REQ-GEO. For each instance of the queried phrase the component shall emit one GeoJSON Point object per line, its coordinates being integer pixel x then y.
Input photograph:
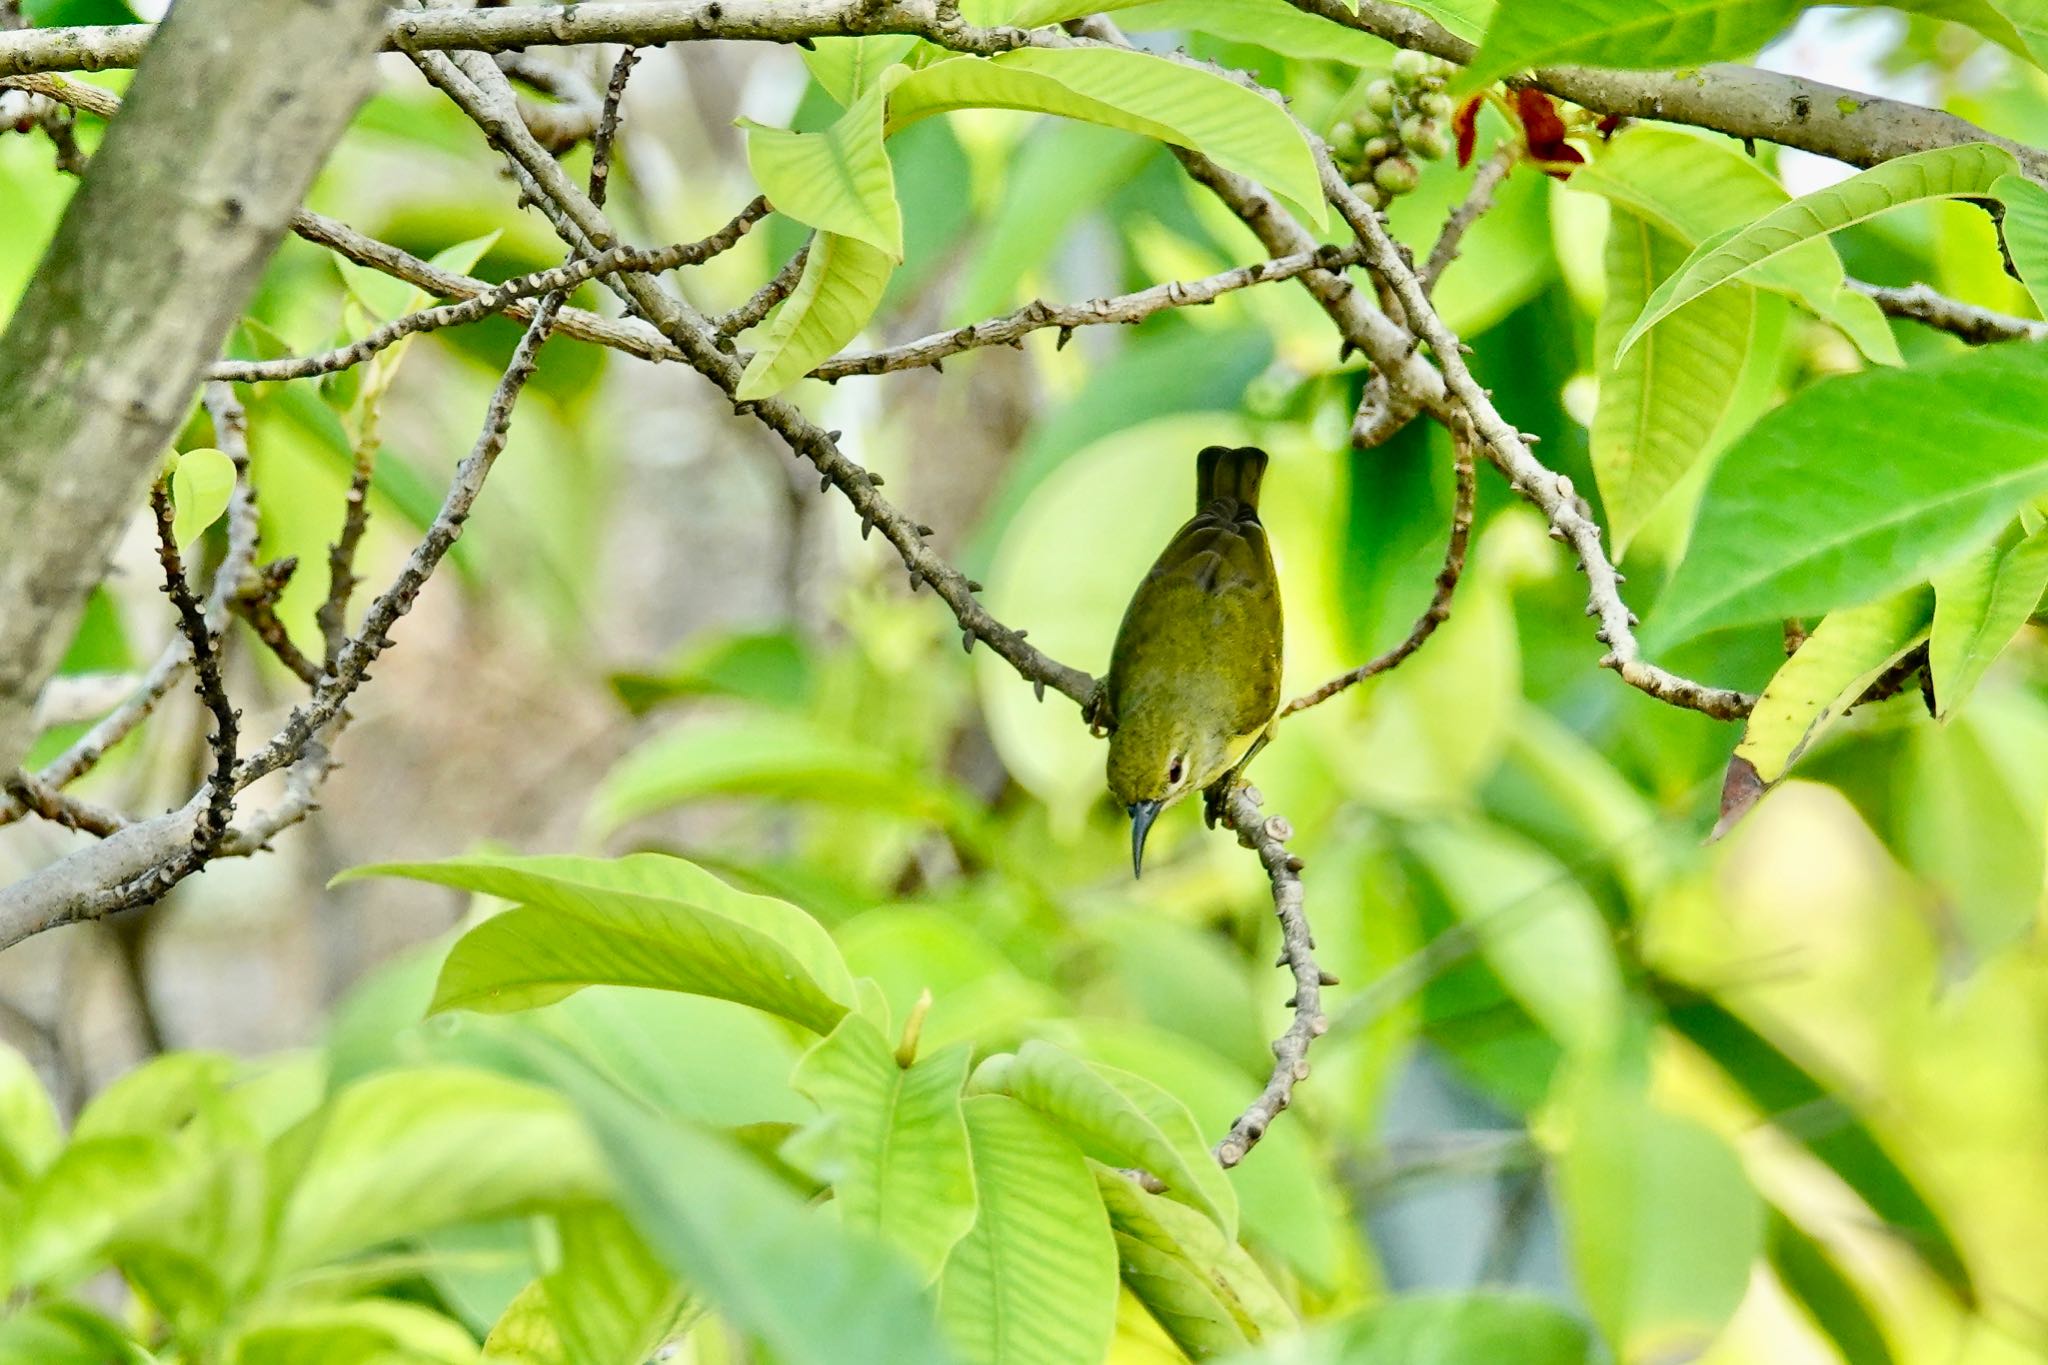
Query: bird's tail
{"type": "Point", "coordinates": [1232, 474]}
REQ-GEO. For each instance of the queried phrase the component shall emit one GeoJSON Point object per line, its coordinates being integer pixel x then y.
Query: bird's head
{"type": "Point", "coordinates": [1154, 760]}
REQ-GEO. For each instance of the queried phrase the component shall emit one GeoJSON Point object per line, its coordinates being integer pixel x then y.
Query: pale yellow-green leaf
{"type": "Point", "coordinates": [1828, 671]}
{"type": "Point", "coordinates": [1863, 322]}
{"type": "Point", "coordinates": [839, 180]}
{"type": "Point", "coordinates": [890, 1140]}
{"type": "Point", "coordinates": [1136, 91]}
{"type": "Point", "coordinates": [1034, 1282]}
{"type": "Point", "coordinates": [357, 1332]}
{"type": "Point", "coordinates": [2025, 229]}
{"type": "Point", "coordinates": [849, 67]}
{"type": "Point", "coordinates": [1153, 1133]}
{"type": "Point", "coordinates": [1202, 1287]}
{"type": "Point", "coordinates": [842, 285]}
{"type": "Point", "coordinates": [29, 1133]}
{"type": "Point", "coordinates": [1979, 606]}
{"type": "Point", "coordinates": [642, 920]}
{"type": "Point", "coordinates": [1660, 404]}
{"type": "Point", "coordinates": [202, 481]}
{"type": "Point", "coordinates": [1942, 173]}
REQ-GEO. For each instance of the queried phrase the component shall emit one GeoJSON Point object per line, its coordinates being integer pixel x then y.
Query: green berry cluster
{"type": "Point", "coordinates": [1405, 116]}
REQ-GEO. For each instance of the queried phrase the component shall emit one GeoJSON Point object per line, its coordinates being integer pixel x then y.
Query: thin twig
{"type": "Point", "coordinates": [212, 823]}
{"type": "Point", "coordinates": [765, 298]}
{"type": "Point", "coordinates": [1439, 609]}
{"type": "Point", "coordinates": [1125, 309]}
{"type": "Point", "coordinates": [606, 136]}
{"type": "Point", "coordinates": [1978, 326]}
{"type": "Point", "coordinates": [1478, 199]}
{"type": "Point", "coordinates": [499, 298]}
{"type": "Point", "coordinates": [256, 604]}
{"type": "Point", "coordinates": [1268, 836]}
{"type": "Point", "coordinates": [39, 798]}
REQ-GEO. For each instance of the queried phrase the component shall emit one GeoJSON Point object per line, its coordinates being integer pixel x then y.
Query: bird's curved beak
{"type": "Point", "coordinates": [1143, 813]}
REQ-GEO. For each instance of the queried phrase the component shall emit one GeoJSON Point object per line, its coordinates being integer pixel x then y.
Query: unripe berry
{"type": "Point", "coordinates": [1379, 97]}
{"type": "Point", "coordinates": [1345, 141]}
{"type": "Point", "coordinates": [1410, 67]}
{"type": "Point", "coordinates": [1396, 175]}
{"type": "Point", "coordinates": [1370, 193]}
{"type": "Point", "coordinates": [1436, 104]}
{"type": "Point", "coordinates": [1426, 139]}
{"type": "Point", "coordinates": [1379, 148]}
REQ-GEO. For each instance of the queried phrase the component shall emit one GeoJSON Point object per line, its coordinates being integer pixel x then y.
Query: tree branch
{"type": "Point", "coordinates": [175, 219]}
{"type": "Point", "coordinates": [1978, 326]}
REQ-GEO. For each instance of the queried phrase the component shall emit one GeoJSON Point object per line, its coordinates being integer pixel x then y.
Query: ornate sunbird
{"type": "Point", "coordinates": [1194, 677]}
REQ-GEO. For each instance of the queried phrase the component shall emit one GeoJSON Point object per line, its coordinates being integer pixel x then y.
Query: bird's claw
{"type": "Point", "coordinates": [1215, 802]}
{"type": "Point", "coordinates": [1096, 711]}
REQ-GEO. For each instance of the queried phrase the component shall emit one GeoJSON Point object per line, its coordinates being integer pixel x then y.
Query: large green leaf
{"type": "Point", "coordinates": [1980, 604]}
{"type": "Point", "coordinates": [1274, 25]}
{"type": "Point", "coordinates": [2025, 230]}
{"type": "Point", "coordinates": [812, 1290]}
{"type": "Point", "coordinates": [29, 1133]}
{"type": "Point", "coordinates": [1448, 1329]}
{"type": "Point", "coordinates": [643, 920]}
{"type": "Point", "coordinates": [891, 1141]}
{"type": "Point", "coordinates": [1792, 1097]}
{"type": "Point", "coordinates": [1203, 1288]}
{"type": "Point", "coordinates": [1660, 404]}
{"type": "Point", "coordinates": [1941, 173]}
{"type": "Point", "coordinates": [850, 67]}
{"type": "Point", "coordinates": [96, 1188]}
{"type": "Point", "coordinates": [778, 757]}
{"type": "Point", "coordinates": [610, 1301]}
{"type": "Point", "coordinates": [839, 180]}
{"type": "Point", "coordinates": [1625, 33]}
{"type": "Point", "coordinates": [1664, 1224]}
{"type": "Point", "coordinates": [64, 1333]}
{"type": "Point", "coordinates": [1137, 91]}
{"type": "Point", "coordinates": [1034, 1282]}
{"type": "Point", "coordinates": [1819, 1286]}
{"type": "Point", "coordinates": [1826, 674]}
{"type": "Point", "coordinates": [1124, 1120]}
{"type": "Point", "coordinates": [1537, 928]}
{"type": "Point", "coordinates": [1850, 491]}
{"type": "Point", "coordinates": [382, 1331]}
{"type": "Point", "coordinates": [416, 1148]}
{"type": "Point", "coordinates": [842, 285]}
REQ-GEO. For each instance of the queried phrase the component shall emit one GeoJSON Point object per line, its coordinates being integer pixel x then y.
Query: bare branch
{"type": "Point", "coordinates": [1268, 836]}
{"type": "Point", "coordinates": [1478, 199]}
{"type": "Point", "coordinates": [1439, 609]}
{"type": "Point", "coordinates": [211, 823]}
{"type": "Point", "coordinates": [765, 298]}
{"type": "Point", "coordinates": [39, 798]}
{"type": "Point", "coordinates": [1125, 309]}
{"type": "Point", "coordinates": [1978, 326]}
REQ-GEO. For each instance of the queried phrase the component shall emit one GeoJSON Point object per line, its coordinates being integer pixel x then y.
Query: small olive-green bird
{"type": "Point", "coordinates": [1194, 678]}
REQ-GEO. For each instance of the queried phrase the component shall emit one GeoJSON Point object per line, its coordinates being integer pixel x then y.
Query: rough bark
{"type": "Point", "coordinates": [222, 131]}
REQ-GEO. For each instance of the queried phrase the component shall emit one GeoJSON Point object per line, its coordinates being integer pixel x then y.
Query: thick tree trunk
{"type": "Point", "coordinates": [234, 107]}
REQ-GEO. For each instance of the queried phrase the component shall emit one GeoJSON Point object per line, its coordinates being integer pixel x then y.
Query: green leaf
{"type": "Point", "coordinates": [416, 1148]}
{"type": "Point", "coordinates": [839, 180]}
{"type": "Point", "coordinates": [814, 1291]}
{"type": "Point", "coordinates": [74, 13]}
{"type": "Point", "coordinates": [609, 1302]}
{"type": "Point", "coordinates": [1034, 1281]}
{"type": "Point", "coordinates": [93, 1190]}
{"type": "Point", "coordinates": [1849, 491]}
{"type": "Point", "coordinates": [1124, 1120]}
{"type": "Point", "coordinates": [842, 285]}
{"type": "Point", "coordinates": [1664, 1223]}
{"type": "Point", "coordinates": [1274, 25]}
{"type": "Point", "coordinates": [2025, 230]}
{"type": "Point", "coordinates": [2018, 26]}
{"type": "Point", "coordinates": [779, 757]}
{"type": "Point", "coordinates": [1466, 19]}
{"type": "Point", "coordinates": [29, 1132]}
{"type": "Point", "coordinates": [1640, 34]}
{"type": "Point", "coordinates": [770, 667]}
{"type": "Point", "coordinates": [1463, 1329]}
{"type": "Point", "coordinates": [1787, 1092]}
{"type": "Point", "coordinates": [1537, 928]}
{"type": "Point", "coordinates": [1141, 93]}
{"type": "Point", "coordinates": [1980, 604]}
{"type": "Point", "coordinates": [891, 1141]}
{"type": "Point", "coordinates": [643, 920]}
{"type": "Point", "coordinates": [1693, 187]}
{"type": "Point", "coordinates": [1817, 1284]}
{"type": "Point", "coordinates": [61, 1333]}
{"type": "Point", "coordinates": [850, 67]}
{"type": "Point", "coordinates": [1941, 173]}
{"type": "Point", "coordinates": [382, 1331]}
{"type": "Point", "coordinates": [1868, 330]}
{"type": "Point", "coordinates": [1661, 404]}
{"type": "Point", "coordinates": [201, 482]}
{"type": "Point", "coordinates": [1202, 1287]}
{"type": "Point", "coordinates": [1828, 672]}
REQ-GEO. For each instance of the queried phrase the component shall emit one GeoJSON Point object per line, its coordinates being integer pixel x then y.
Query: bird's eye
{"type": "Point", "coordinates": [1173, 771]}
